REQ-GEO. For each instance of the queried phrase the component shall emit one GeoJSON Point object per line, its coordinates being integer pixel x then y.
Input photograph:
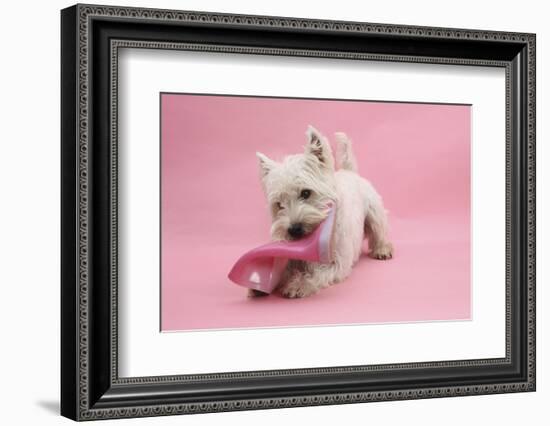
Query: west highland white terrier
{"type": "Point", "coordinates": [298, 190]}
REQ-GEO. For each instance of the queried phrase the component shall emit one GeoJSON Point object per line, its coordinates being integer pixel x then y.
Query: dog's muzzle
{"type": "Point", "coordinates": [296, 230]}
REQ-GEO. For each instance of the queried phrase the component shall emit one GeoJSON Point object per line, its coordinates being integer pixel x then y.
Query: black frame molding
{"type": "Point", "coordinates": [91, 36]}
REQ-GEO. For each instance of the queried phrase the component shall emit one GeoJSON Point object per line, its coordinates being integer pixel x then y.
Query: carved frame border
{"type": "Point", "coordinates": [85, 13]}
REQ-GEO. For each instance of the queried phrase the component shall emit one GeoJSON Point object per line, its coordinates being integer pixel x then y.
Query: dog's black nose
{"type": "Point", "coordinates": [296, 230]}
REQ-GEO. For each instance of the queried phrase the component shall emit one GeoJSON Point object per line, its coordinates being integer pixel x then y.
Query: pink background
{"type": "Point", "coordinates": [213, 209]}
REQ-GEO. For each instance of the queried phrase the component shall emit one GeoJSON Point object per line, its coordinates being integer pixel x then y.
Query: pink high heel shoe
{"type": "Point", "coordinates": [261, 268]}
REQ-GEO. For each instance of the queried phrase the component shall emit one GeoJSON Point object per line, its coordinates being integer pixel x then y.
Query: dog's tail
{"type": "Point", "coordinates": [345, 156]}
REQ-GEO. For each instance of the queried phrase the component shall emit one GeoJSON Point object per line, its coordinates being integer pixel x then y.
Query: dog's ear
{"type": "Point", "coordinates": [318, 146]}
{"type": "Point", "coordinates": [266, 164]}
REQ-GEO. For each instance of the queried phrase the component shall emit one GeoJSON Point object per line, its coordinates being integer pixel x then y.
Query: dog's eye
{"type": "Point", "coordinates": [278, 206]}
{"type": "Point", "coordinates": [305, 194]}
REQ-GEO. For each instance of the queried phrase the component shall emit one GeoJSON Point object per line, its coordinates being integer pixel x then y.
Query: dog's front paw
{"type": "Point", "coordinates": [382, 251]}
{"type": "Point", "coordinates": [298, 289]}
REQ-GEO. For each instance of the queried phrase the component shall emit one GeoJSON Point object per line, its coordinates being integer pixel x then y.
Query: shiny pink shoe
{"type": "Point", "coordinates": [261, 269]}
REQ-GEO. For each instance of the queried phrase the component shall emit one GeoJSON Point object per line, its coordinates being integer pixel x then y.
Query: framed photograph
{"type": "Point", "coordinates": [263, 212]}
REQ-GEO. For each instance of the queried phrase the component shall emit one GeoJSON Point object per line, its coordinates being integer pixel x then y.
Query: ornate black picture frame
{"type": "Point", "coordinates": [90, 385]}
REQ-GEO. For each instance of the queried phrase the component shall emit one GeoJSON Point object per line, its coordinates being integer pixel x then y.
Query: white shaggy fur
{"type": "Point", "coordinates": [359, 210]}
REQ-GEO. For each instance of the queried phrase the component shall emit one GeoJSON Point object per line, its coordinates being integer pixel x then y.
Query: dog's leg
{"type": "Point", "coordinates": [295, 282]}
{"type": "Point", "coordinates": [300, 285]}
{"type": "Point", "coordinates": [316, 278]}
{"type": "Point", "coordinates": [376, 230]}
{"type": "Point", "coordinates": [375, 227]}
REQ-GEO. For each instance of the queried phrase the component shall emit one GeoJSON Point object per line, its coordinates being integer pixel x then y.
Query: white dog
{"type": "Point", "coordinates": [298, 191]}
